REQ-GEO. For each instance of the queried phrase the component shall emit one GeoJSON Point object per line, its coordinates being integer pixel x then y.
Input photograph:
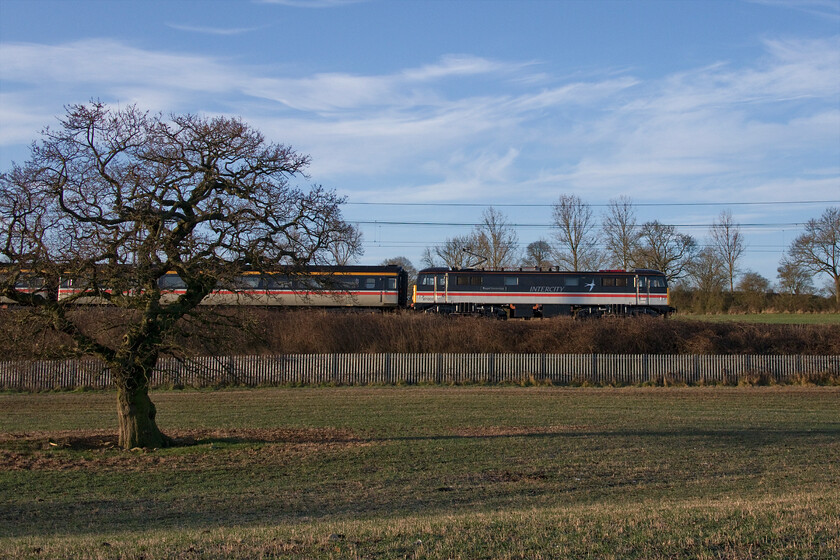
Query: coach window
{"type": "Point", "coordinates": [171, 282]}
{"type": "Point", "coordinates": [370, 283]}
{"type": "Point", "coordinates": [347, 283]}
{"type": "Point", "coordinates": [392, 283]}
{"type": "Point", "coordinates": [251, 282]}
{"type": "Point", "coordinates": [277, 282]}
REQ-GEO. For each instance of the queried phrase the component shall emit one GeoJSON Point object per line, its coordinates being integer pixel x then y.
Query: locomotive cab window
{"type": "Point", "coordinates": [430, 281]}
{"type": "Point", "coordinates": [511, 280]}
{"type": "Point", "coordinates": [656, 282]}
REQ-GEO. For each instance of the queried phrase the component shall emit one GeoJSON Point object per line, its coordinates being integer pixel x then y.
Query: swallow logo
{"type": "Point", "coordinates": [591, 285]}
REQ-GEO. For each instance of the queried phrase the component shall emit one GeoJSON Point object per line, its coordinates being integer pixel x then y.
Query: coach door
{"type": "Point", "coordinates": [642, 291]}
{"type": "Point", "coordinates": [441, 288]}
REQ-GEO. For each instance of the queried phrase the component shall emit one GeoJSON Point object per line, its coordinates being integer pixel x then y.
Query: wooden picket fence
{"type": "Point", "coordinates": [371, 369]}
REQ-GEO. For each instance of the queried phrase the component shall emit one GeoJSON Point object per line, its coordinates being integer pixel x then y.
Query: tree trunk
{"type": "Point", "coordinates": [136, 415]}
{"type": "Point", "coordinates": [837, 290]}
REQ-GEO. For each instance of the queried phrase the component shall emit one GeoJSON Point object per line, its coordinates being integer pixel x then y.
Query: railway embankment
{"type": "Point", "coordinates": [272, 332]}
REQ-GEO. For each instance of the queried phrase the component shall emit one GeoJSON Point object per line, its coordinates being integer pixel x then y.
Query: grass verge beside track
{"type": "Point", "coordinates": [428, 472]}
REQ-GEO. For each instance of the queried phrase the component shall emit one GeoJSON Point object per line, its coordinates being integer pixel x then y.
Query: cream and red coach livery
{"type": "Point", "coordinates": [542, 293]}
{"type": "Point", "coordinates": [381, 287]}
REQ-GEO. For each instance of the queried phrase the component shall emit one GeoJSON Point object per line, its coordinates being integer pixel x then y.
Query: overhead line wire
{"type": "Point", "coordinates": [474, 224]}
{"type": "Point", "coordinates": [645, 204]}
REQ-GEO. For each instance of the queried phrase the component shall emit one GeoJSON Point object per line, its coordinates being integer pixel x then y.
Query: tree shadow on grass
{"type": "Point", "coordinates": [374, 484]}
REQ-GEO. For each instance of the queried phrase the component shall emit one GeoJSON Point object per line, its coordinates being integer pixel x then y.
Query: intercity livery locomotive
{"type": "Point", "coordinates": [529, 293]}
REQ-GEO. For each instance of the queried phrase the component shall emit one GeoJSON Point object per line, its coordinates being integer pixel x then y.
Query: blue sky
{"type": "Point", "coordinates": [442, 108]}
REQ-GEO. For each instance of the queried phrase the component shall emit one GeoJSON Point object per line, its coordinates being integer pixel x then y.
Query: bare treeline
{"type": "Point", "coordinates": [711, 266]}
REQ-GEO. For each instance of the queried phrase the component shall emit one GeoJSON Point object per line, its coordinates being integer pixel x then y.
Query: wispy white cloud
{"type": "Point", "coordinates": [828, 9]}
{"type": "Point", "coordinates": [311, 3]}
{"type": "Point", "coordinates": [214, 30]}
{"type": "Point", "coordinates": [415, 134]}
{"type": "Point", "coordinates": [103, 64]}
{"type": "Point", "coordinates": [459, 66]}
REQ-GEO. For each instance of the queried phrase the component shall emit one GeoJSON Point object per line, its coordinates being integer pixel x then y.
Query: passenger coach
{"type": "Point", "coordinates": [327, 286]}
{"type": "Point", "coordinates": [541, 293]}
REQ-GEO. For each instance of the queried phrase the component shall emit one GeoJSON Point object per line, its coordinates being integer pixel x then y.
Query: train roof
{"type": "Point", "coordinates": [532, 270]}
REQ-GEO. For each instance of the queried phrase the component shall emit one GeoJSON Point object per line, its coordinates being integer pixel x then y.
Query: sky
{"type": "Point", "coordinates": [424, 113]}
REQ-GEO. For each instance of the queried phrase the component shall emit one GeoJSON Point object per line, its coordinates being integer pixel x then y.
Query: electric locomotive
{"type": "Point", "coordinates": [537, 292]}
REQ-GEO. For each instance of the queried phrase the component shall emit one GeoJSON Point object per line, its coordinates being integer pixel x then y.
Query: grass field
{"type": "Point", "coordinates": [768, 318]}
{"type": "Point", "coordinates": [428, 472]}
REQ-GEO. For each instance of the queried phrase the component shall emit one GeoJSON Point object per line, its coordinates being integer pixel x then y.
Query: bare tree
{"type": "Point", "coordinates": [494, 240]}
{"type": "Point", "coordinates": [793, 278]}
{"type": "Point", "coordinates": [818, 249]}
{"type": "Point", "coordinates": [451, 253]}
{"type": "Point", "coordinates": [663, 248]}
{"type": "Point", "coordinates": [538, 254]}
{"type": "Point", "coordinates": [755, 283]}
{"type": "Point", "coordinates": [575, 232]}
{"type": "Point", "coordinates": [406, 265]}
{"type": "Point", "coordinates": [115, 199]}
{"type": "Point", "coordinates": [707, 271]}
{"type": "Point", "coordinates": [728, 244]}
{"type": "Point", "coordinates": [754, 290]}
{"type": "Point", "coordinates": [348, 245]}
{"type": "Point", "coordinates": [621, 232]}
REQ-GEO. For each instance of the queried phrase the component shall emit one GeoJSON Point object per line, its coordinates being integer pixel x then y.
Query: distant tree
{"type": "Point", "coordinates": [753, 282]}
{"type": "Point", "coordinates": [451, 253]}
{"type": "Point", "coordinates": [405, 264]}
{"type": "Point", "coordinates": [621, 233]}
{"type": "Point", "coordinates": [347, 250]}
{"type": "Point", "coordinates": [663, 248]}
{"type": "Point", "coordinates": [116, 198]}
{"type": "Point", "coordinates": [794, 278]}
{"type": "Point", "coordinates": [728, 244]}
{"type": "Point", "coordinates": [574, 228]}
{"type": "Point", "coordinates": [494, 240]}
{"type": "Point", "coordinates": [754, 290]}
{"type": "Point", "coordinates": [707, 272]}
{"type": "Point", "coordinates": [538, 254]}
{"type": "Point", "coordinates": [830, 290]}
{"type": "Point", "coordinates": [818, 249]}
{"type": "Point", "coordinates": [707, 276]}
